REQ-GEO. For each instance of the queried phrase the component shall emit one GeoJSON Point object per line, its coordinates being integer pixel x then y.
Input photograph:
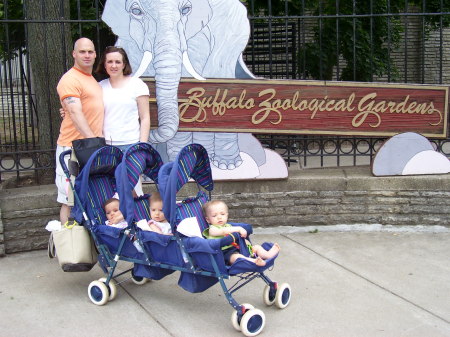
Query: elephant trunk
{"type": "Point", "coordinates": [167, 62]}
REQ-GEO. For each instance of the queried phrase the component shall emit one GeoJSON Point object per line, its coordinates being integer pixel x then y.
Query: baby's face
{"type": "Point", "coordinates": [217, 214]}
{"type": "Point", "coordinates": [113, 213]}
{"type": "Point", "coordinates": [156, 211]}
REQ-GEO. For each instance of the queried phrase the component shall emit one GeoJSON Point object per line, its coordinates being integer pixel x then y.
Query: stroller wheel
{"type": "Point", "coordinates": [235, 321]}
{"type": "Point", "coordinates": [51, 251]}
{"type": "Point", "coordinates": [269, 295]}
{"type": "Point", "coordinates": [252, 323]}
{"type": "Point", "coordinates": [234, 316]}
{"type": "Point", "coordinates": [283, 295]}
{"type": "Point", "coordinates": [112, 288]}
{"type": "Point", "coordinates": [98, 293]}
{"type": "Point", "coordinates": [139, 280]}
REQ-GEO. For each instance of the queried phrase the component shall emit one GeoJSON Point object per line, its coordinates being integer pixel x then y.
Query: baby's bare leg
{"type": "Point", "coordinates": [235, 256]}
{"type": "Point", "coordinates": [258, 261]}
{"type": "Point", "coordinates": [266, 254]}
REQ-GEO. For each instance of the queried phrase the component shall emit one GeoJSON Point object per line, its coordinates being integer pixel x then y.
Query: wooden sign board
{"type": "Point", "coordinates": [309, 107]}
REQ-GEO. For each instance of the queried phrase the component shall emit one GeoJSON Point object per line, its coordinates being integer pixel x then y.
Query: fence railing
{"type": "Point", "coordinates": [282, 41]}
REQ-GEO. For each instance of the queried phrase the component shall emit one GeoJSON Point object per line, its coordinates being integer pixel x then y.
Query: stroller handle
{"type": "Point", "coordinates": [63, 163]}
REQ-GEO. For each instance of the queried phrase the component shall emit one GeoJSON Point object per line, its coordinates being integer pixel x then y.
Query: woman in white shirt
{"type": "Point", "coordinates": [126, 100]}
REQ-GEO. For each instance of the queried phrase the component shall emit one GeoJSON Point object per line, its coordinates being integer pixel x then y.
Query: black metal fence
{"type": "Point", "coordinates": [369, 40]}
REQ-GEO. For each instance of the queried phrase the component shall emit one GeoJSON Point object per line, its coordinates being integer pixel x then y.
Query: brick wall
{"type": "Point", "coordinates": [24, 214]}
{"type": "Point", "coordinates": [309, 197]}
{"type": "Point", "coordinates": [341, 196]}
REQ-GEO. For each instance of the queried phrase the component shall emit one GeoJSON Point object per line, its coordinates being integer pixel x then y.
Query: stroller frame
{"type": "Point", "coordinates": [107, 261]}
{"type": "Point", "coordinates": [245, 317]}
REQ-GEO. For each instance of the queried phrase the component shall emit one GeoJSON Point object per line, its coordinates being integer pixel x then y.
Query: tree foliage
{"type": "Point", "coordinates": [34, 27]}
{"type": "Point", "coordinates": [356, 37]}
{"type": "Point", "coordinates": [48, 60]}
{"type": "Point", "coordinates": [84, 13]}
{"type": "Point", "coordinates": [364, 43]}
{"type": "Point", "coordinates": [12, 35]}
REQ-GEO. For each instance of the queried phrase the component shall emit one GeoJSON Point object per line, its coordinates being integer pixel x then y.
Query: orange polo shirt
{"type": "Point", "coordinates": [76, 83]}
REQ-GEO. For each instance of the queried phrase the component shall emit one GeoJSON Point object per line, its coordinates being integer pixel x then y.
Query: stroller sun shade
{"type": "Point", "coordinates": [140, 158]}
{"type": "Point", "coordinates": [191, 162]}
{"type": "Point", "coordinates": [102, 163]}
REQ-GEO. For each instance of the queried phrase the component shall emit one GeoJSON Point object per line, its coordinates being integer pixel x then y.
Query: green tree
{"type": "Point", "coordinates": [12, 35]}
{"type": "Point", "coordinates": [359, 36]}
{"type": "Point", "coordinates": [48, 59]}
{"type": "Point", "coordinates": [365, 43]}
{"type": "Point", "coordinates": [34, 27]}
{"type": "Point", "coordinates": [85, 16]}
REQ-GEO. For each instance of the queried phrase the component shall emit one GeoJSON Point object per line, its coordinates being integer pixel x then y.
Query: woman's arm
{"type": "Point", "coordinates": [144, 117]}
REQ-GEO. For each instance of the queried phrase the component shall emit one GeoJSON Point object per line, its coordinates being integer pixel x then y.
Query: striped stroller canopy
{"type": "Point", "coordinates": [102, 163]}
{"type": "Point", "coordinates": [192, 162]}
{"type": "Point", "coordinates": [139, 158]}
{"type": "Point", "coordinates": [142, 158]}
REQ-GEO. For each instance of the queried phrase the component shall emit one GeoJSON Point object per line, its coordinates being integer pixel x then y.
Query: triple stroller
{"type": "Point", "coordinates": [153, 256]}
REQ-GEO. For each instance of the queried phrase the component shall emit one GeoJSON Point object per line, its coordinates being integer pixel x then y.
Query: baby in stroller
{"type": "Point", "coordinates": [113, 214]}
{"type": "Point", "coordinates": [216, 214]}
{"type": "Point", "coordinates": [158, 222]}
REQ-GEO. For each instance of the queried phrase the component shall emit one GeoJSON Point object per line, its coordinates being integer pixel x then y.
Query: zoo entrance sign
{"type": "Point", "coordinates": [306, 107]}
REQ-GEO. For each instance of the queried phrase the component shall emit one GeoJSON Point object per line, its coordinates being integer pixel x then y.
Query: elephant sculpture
{"type": "Point", "coordinates": [170, 39]}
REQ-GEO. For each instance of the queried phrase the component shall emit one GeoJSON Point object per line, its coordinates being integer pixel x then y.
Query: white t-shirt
{"type": "Point", "coordinates": [163, 226]}
{"type": "Point", "coordinates": [121, 124]}
{"type": "Point", "coordinates": [122, 224]}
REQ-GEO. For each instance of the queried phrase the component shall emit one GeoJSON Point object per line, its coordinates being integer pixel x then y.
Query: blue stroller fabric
{"type": "Point", "coordinates": [200, 261]}
{"type": "Point", "coordinates": [193, 163]}
{"type": "Point", "coordinates": [96, 183]}
{"type": "Point", "coordinates": [93, 186]}
{"type": "Point", "coordinates": [140, 158]}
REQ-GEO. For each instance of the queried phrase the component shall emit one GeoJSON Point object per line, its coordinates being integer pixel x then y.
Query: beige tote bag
{"type": "Point", "coordinates": [74, 248]}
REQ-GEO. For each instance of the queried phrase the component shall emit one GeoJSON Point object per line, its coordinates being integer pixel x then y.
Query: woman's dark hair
{"type": "Point", "coordinates": [112, 49]}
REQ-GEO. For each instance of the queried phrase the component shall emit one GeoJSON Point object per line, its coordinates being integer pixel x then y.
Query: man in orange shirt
{"type": "Point", "coordinates": [82, 98]}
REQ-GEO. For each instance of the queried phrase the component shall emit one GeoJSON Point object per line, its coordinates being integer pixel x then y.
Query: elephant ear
{"type": "Point", "coordinates": [198, 17]}
{"type": "Point", "coordinates": [113, 15]}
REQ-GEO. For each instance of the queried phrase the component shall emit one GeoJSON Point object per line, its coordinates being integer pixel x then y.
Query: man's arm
{"type": "Point", "coordinates": [73, 106]}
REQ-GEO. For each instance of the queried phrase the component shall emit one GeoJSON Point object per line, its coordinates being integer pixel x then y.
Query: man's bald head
{"type": "Point", "coordinates": [84, 54]}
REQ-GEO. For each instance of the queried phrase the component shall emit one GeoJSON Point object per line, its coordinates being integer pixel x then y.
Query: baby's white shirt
{"type": "Point", "coordinates": [121, 225]}
{"type": "Point", "coordinates": [163, 226]}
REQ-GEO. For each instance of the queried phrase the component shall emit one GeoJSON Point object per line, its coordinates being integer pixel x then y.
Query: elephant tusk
{"type": "Point", "coordinates": [190, 69]}
{"type": "Point", "coordinates": [146, 59]}
{"type": "Point", "coordinates": [244, 67]}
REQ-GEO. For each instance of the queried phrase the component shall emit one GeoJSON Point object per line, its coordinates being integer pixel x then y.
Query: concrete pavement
{"type": "Point", "coordinates": [344, 283]}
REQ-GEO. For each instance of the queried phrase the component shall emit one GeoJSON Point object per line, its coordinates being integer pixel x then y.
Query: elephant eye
{"type": "Point", "coordinates": [136, 11]}
{"type": "Point", "coordinates": [186, 9]}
